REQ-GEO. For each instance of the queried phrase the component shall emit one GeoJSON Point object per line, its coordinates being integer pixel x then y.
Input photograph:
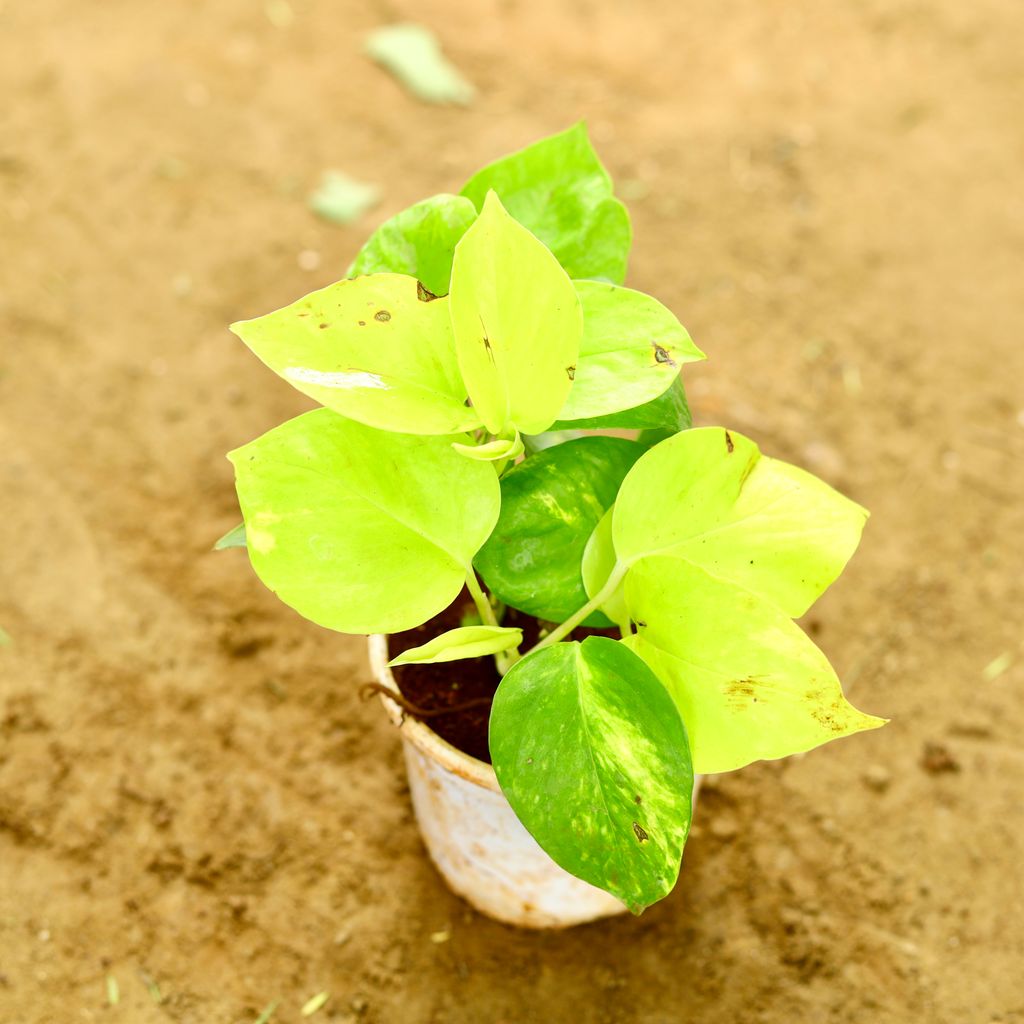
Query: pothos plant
{"type": "Point", "coordinates": [467, 369]}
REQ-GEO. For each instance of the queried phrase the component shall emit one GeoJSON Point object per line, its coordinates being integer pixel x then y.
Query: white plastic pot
{"type": "Point", "coordinates": [474, 838]}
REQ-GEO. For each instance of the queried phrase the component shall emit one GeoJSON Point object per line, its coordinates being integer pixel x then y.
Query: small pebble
{"type": "Point", "coordinates": [973, 728]}
{"type": "Point", "coordinates": [724, 828]}
{"type": "Point", "coordinates": [308, 260]}
{"type": "Point", "coordinates": [824, 459]}
{"type": "Point", "coordinates": [877, 777]}
{"type": "Point", "coordinates": [936, 759]}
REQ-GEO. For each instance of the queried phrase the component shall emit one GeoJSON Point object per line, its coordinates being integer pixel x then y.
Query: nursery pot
{"type": "Point", "coordinates": [473, 836]}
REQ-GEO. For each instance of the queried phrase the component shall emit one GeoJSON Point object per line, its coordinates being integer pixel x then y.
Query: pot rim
{"type": "Point", "coordinates": [418, 733]}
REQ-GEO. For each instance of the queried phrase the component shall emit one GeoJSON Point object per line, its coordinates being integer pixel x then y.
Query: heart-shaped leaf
{"type": "Point", "coordinates": [353, 548]}
{"type": "Point", "coordinates": [630, 354]}
{"type": "Point", "coordinates": [709, 497]}
{"type": "Point", "coordinates": [463, 642]}
{"type": "Point", "coordinates": [420, 241]}
{"type": "Point", "coordinates": [377, 349]}
{"type": "Point", "coordinates": [517, 324]}
{"type": "Point", "coordinates": [559, 189]}
{"type": "Point", "coordinates": [747, 681]}
{"type": "Point", "coordinates": [592, 755]}
{"type": "Point", "coordinates": [550, 504]}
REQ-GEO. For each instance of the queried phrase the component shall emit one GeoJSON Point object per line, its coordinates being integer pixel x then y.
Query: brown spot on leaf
{"type": "Point", "coordinates": [638, 830]}
{"type": "Point", "coordinates": [486, 340]}
{"type": "Point", "coordinates": [382, 315]}
{"type": "Point", "coordinates": [571, 371]}
{"type": "Point", "coordinates": [638, 799]}
{"type": "Point", "coordinates": [728, 442]}
{"type": "Point", "coordinates": [661, 355]}
{"type": "Point", "coordinates": [830, 717]}
{"type": "Point", "coordinates": [741, 692]}
{"type": "Point", "coordinates": [424, 294]}
{"type": "Point", "coordinates": [324, 326]}
{"type": "Point", "coordinates": [362, 323]}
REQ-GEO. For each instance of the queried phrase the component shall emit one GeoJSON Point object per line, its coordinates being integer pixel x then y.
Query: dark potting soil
{"type": "Point", "coordinates": [471, 681]}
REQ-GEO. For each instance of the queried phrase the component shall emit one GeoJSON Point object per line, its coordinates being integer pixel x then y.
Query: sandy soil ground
{"type": "Point", "coordinates": [190, 789]}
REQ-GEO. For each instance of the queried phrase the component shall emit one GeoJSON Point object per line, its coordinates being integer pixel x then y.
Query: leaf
{"type": "Point", "coordinates": [314, 1003]}
{"type": "Point", "coordinates": [234, 538]}
{"type": "Point", "coordinates": [598, 561]}
{"type": "Point", "coordinates": [268, 1012]}
{"type": "Point", "coordinates": [463, 642]}
{"type": "Point", "coordinates": [558, 188]}
{"type": "Point", "coordinates": [550, 504]}
{"type": "Point", "coordinates": [361, 530]}
{"type": "Point", "coordinates": [373, 349]}
{"type": "Point", "coordinates": [592, 755]}
{"type": "Point", "coordinates": [413, 55]}
{"type": "Point", "coordinates": [747, 681]}
{"type": "Point", "coordinates": [668, 411]}
{"type": "Point", "coordinates": [419, 241]}
{"type": "Point", "coordinates": [534, 443]}
{"type": "Point", "coordinates": [341, 199]}
{"type": "Point", "coordinates": [516, 321]}
{"type": "Point", "coordinates": [492, 451]}
{"type": "Point", "coordinates": [708, 496]}
{"type": "Point", "coordinates": [630, 354]}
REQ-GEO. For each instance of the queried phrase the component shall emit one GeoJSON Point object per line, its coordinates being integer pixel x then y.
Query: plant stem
{"type": "Point", "coordinates": [503, 660]}
{"type": "Point", "coordinates": [483, 606]}
{"type": "Point", "coordinates": [592, 605]}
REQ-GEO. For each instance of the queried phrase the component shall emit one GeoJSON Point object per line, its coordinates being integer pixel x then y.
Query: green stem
{"type": "Point", "coordinates": [504, 660]}
{"type": "Point", "coordinates": [483, 606]}
{"type": "Point", "coordinates": [559, 632]}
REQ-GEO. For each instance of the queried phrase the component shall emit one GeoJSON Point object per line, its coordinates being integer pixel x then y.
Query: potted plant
{"type": "Point", "coordinates": [601, 618]}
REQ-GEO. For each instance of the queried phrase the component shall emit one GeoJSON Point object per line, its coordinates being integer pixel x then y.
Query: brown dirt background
{"type": "Point", "coordinates": [827, 193]}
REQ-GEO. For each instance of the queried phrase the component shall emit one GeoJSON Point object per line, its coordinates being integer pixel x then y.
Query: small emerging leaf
{"type": "Point", "coordinates": [550, 504]}
{"type": "Point", "coordinates": [558, 188]}
{"type": "Point", "coordinates": [463, 642]}
{"type": "Point", "coordinates": [517, 324]}
{"type": "Point", "coordinates": [374, 349]}
{"type": "Point", "coordinates": [492, 451]}
{"type": "Point", "coordinates": [747, 681]}
{"type": "Point", "coordinates": [592, 755]}
{"type": "Point", "coordinates": [413, 55]}
{"type": "Point", "coordinates": [419, 241]}
{"type": "Point", "coordinates": [630, 354]}
{"type": "Point", "coordinates": [353, 548]}
{"type": "Point", "coordinates": [234, 538]}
